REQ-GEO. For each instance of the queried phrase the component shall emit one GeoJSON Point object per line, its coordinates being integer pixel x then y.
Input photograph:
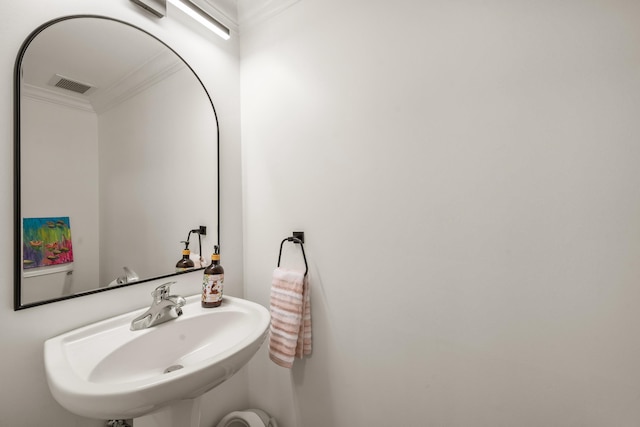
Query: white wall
{"type": "Point", "coordinates": [467, 177]}
{"type": "Point", "coordinates": [24, 397]}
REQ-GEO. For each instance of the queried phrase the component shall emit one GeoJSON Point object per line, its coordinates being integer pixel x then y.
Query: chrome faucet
{"type": "Point", "coordinates": [163, 308]}
{"type": "Point", "coordinates": [129, 276]}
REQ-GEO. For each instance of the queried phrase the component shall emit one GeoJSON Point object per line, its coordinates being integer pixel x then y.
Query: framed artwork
{"type": "Point", "coordinates": [46, 241]}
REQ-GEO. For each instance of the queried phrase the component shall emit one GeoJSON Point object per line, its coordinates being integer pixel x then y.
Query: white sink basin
{"type": "Point", "coordinates": [107, 371]}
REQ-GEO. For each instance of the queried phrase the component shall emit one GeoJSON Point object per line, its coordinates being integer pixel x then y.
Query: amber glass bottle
{"type": "Point", "coordinates": [185, 263]}
{"type": "Point", "coordinates": [212, 282]}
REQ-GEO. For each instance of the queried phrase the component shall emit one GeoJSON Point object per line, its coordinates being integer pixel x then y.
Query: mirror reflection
{"type": "Point", "coordinates": [117, 160]}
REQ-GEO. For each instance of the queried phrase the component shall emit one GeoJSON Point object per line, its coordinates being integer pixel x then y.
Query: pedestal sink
{"type": "Point", "coordinates": [107, 371]}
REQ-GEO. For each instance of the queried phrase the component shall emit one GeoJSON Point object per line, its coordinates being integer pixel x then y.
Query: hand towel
{"type": "Point", "coordinates": [290, 330]}
{"type": "Point", "coordinates": [198, 261]}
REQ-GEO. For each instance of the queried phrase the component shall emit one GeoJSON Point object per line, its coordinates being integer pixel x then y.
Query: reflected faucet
{"type": "Point", "coordinates": [128, 277]}
{"type": "Point", "coordinates": [164, 307]}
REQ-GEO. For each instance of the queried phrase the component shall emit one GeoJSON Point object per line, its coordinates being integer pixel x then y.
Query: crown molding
{"type": "Point", "coordinates": [252, 12]}
{"type": "Point", "coordinates": [240, 14]}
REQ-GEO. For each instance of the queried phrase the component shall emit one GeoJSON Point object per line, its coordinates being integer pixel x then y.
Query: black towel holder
{"type": "Point", "coordinates": [295, 240]}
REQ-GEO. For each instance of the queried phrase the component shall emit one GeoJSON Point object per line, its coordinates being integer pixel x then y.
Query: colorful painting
{"type": "Point", "coordinates": [46, 241]}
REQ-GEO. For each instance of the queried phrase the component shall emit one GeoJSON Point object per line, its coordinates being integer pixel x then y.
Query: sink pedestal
{"type": "Point", "coordinates": [184, 413]}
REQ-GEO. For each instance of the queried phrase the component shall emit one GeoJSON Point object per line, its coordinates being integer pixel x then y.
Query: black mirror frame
{"type": "Point", "coordinates": [17, 212]}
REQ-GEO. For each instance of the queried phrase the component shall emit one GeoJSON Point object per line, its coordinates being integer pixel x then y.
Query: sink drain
{"type": "Point", "coordinates": [173, 368]}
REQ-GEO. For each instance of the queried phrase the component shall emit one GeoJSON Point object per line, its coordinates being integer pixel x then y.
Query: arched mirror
{"type": "Point", "coordinates": [116, 160]}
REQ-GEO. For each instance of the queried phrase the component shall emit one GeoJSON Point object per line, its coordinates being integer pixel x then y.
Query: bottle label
{"type": "Point", "coordinates": [212, 287]}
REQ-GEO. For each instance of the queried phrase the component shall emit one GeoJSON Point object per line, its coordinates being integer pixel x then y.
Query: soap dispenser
{"type": "Point", "coordinates": [185, 263]}
{"type": "Point", "coordinates": [213, 281]}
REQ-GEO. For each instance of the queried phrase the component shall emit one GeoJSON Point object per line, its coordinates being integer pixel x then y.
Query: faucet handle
{"type": "Point", "coordinates": [162, 292]}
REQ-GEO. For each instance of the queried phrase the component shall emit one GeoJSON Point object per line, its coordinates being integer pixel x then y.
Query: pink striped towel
{"type": "Point", "coordinates": [290, 331]}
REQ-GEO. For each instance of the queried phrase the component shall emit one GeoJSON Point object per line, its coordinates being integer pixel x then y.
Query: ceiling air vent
{"type": "Point", "coordinates": [69, 84]}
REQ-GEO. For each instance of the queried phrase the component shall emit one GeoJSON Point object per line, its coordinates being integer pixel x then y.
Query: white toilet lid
{"type": "Point", "coordinates": [241, 419]}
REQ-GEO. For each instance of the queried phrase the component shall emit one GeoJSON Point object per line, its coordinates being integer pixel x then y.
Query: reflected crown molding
{"type": "Point", "coordinates": [55, 97]}
{"type": "Point", "coordinates": [148, 74]}
{"type": "Point", "coordinates": [158, 68]}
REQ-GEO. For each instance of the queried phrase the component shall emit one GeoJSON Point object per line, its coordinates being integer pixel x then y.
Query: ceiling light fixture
{"type": "Point", "coordinates": [195, 12]}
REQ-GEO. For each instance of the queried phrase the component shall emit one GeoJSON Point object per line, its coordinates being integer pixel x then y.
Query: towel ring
{"type": "Point", "coordinates": [295, 240]}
